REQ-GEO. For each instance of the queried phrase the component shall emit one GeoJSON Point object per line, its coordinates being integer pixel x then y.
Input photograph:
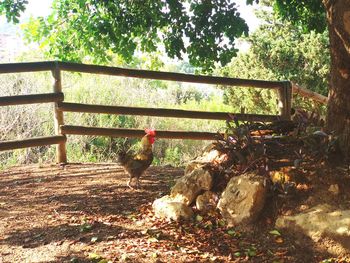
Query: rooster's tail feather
{"type": "Point", "coordinates": [124, 152]}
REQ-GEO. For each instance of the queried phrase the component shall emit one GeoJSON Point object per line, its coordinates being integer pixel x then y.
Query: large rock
{"type": "Point", "coordinates": [321, 221]}
{"type": "Point", "coordinates": [190, 185]}
{"type": "Point", "coordinates": [194, 165]}
{"type": "Point", "coordinates": [206, 201]}
{"type": "Point", "coordinates": [243, 199]}
{"type": "Point", "coordinates": [166, 207]}
{"type": "Point", "coordinates": [210, 155]}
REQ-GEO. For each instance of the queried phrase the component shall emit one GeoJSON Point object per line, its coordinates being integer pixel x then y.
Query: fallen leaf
{"type": "Point", "coordinates": [85, 227]}
{"type": "Point", "coordinates": [205, 255]}
{"type": "Point", "coordinates": [94, 239]}
{"type": "Point", "coordinates": [213, 259]}
{"type": "Point", "coordinates": [125, 257]}
{"type": "Point", "coordinates": [208, 225]}
{"type": "Point", "coordinates": [275, 232]}
{"type": "Point", "coordinates": [251, 252]}
{"type": "Point", "coordinates": [279, 240]}
{"type": "Point", "coordinates": [94, 256]}
{"type": "Point", "coordinates": [221, 222]}
{"type": "Point", "coordinates": [153, 240]}
{"type": "Point", "coordinates": [199, 218]}
{"type": "Point", "coordinates": [237, 254]}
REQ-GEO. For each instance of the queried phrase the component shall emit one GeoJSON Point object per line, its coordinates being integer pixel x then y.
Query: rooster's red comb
{"type": "Point", "coordinates": [151, 132]}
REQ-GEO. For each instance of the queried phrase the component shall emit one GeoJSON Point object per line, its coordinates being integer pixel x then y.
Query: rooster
{"type": "Point", "coordinates": [136, 163]}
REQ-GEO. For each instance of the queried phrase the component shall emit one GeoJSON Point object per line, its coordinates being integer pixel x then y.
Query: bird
{"type": "Point", "coordinates": [135, 163]}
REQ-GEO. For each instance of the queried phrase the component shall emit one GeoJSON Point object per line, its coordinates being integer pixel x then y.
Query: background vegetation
{"type": "Point", "coordinates": [280, 50]}
{"type": "Point", "coordinates": [37, 120]}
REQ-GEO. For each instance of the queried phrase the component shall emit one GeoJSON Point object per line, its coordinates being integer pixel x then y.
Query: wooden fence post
{"type": "Point", "coordinates": [58, 116]}
{"type": "Point", "coordinates": [285, 100]}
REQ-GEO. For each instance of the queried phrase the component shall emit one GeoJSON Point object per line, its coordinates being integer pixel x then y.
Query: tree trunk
{"type": "Point", "coordinates": [338, 117]}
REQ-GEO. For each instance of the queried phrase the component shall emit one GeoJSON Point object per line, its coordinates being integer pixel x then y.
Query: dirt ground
{"type": "Point", "coordinates": [85, 213]}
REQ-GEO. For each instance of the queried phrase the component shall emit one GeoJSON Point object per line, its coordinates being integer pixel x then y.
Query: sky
{"type": "Point", "coordinates": [38, 7]}
{"type": "Point", "coordinates": [247, 12]}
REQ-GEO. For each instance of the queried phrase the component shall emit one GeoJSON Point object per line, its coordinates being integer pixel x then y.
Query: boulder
{"type": "Point", "coordinates": [321, 221]}
{"type": "Point", "coordinates": [206, 201]}
{"type": "Point", "coordinates": [243, 199]}
{"type": "Point", "coordinates": [194, 165]}
{"type": "Point", "coordinates": [190, 185]}
{"type": "Point", "coordinates": [165, 207]}
{"type": "Point", "coordinates": [209, 156]}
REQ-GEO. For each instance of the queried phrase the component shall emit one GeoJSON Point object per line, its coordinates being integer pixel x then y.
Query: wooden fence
{"type": "Point", "coordinates": [284, 89]}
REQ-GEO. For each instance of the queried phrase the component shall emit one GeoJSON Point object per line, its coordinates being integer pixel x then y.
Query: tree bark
{"type": "Point", "coordinates": [338, 116]}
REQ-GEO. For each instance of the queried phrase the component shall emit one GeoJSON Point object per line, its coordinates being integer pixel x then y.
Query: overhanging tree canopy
{"type": "Point", "coordinates": [308, 14]}
{"type": "Point", "coordinates": [204, 31]}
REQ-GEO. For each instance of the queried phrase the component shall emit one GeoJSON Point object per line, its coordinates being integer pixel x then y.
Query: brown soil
{"type": "Point", "coordinates": [85, 213]}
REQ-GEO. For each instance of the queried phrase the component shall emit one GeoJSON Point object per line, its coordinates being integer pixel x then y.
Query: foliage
{"type": "Point", "coordinates": [172, 156]}
{"type": "Point", "coordinates": [279, 51]}
{"type": "Point", "coordinates": [204, 31]}
{"type": "Point", "coordinates": [184, 95]}
{"type": "Point", "coordinates": [308, 14]}
{"type": "Point", "coordinates": [289, 54]}
{"type": "Point", "coordinates": [12, 9]}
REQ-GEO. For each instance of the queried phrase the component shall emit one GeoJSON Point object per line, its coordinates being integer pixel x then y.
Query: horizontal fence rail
{"type": "Point", "coordinates": [27, 67]}
{"type": "Point", "coordinates": [33, 142]}
{"type": "Point", "coordinates": [309, 94]}
{"type": "Point", "coordinates": [134, 133]}
{"type": "Point", "coordinates": [31, 99]}
{"type": "Point", "coordinates": [160, 112]}
{"type": "Point", "coordinates": [137, 73]}
{"type": "Point", "coordinates": [148, 74]}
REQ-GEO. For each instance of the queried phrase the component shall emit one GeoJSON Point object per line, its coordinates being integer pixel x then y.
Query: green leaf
{"type": "Point", "coordinates": [94, 256]}
{"type": "Point", "coordinates": [221, 223]}
{"type": "Point", "coordinates": [328, 260]}
{"type": "Point", "coordinates": [199, 218]}
{"type": "Point", "coordinates": [251, 252]}
{"type": "Point", "coordinates": [231, 232]}
{"type": "Point", "coordinates": [208, 225]}
{"type": "Point", "coordinates": [275, 232]}
{"type": "Point", "coordinates": [85, 227]}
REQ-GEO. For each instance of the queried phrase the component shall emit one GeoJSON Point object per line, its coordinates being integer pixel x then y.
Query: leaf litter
{"type": "Point", "coordinates": [82, 216]}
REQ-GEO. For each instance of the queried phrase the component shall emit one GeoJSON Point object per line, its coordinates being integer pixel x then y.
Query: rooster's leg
{"type": "Point", "coordinates": [129, 184]}
{"type": "Point", "coordinates": [134, 183]}
{"type": "Point", "coordinates": [138, 185]}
